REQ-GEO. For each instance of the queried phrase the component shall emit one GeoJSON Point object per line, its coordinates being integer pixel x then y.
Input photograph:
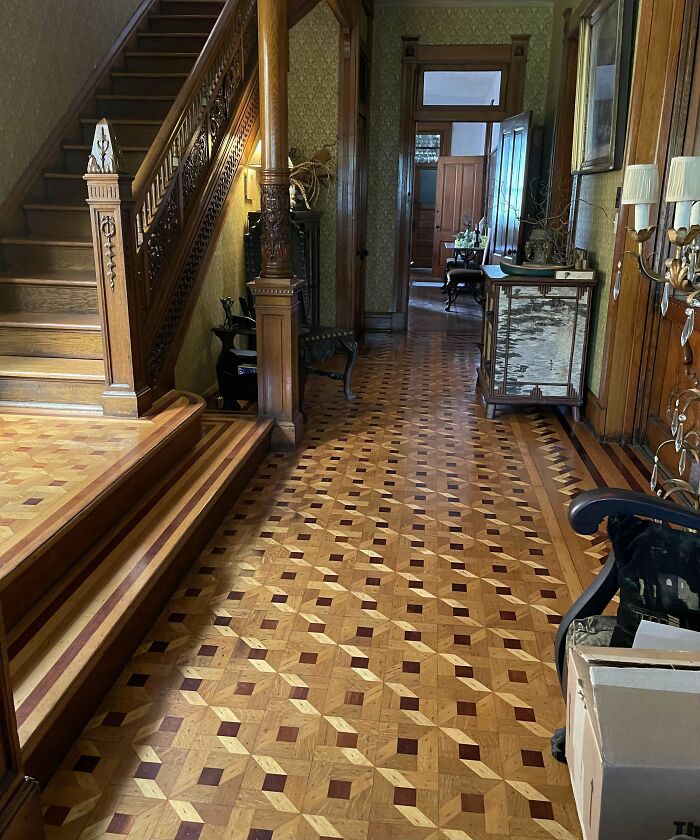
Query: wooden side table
{"type": "Point", "coordinates": [535, 337]}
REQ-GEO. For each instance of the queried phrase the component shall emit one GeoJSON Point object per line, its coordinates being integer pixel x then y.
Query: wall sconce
{"type": "Point", "coordinates": [253, 166]}
{"type": "Point", "coordinates": [641, 189]}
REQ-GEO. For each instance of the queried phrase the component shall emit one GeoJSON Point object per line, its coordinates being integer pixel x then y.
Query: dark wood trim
{"type": "Point", "coordinates": [594, 412]}
{"type": "Point", "coordinates": [12, 203]}
{"type": "Point", "coordinates": [378, 321]}
{"type": "Point", "coordinates": [656, 68]}
{"type": "Point", "coordinates": [22, 819]}
{"type": "Point", "coordinates": [513, 57]}
{"type": "Point", "coordinates": [560, 183]}
{"type": "Point", "coordinates": [298, 9]}
{"type": "Point", "coordinates": [352, 48]}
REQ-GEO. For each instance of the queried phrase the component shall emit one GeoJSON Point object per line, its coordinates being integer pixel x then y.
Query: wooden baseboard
{"type": "Point", "coordinates": [594, 412]}
{"type": "Point", "coordinates": [21, 817]}
{"type": "Point", "coordinates": [378, 321]}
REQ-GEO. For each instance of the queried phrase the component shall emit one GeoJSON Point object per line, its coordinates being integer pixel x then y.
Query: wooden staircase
{"type": "Point", "coordinates": [51, 347]}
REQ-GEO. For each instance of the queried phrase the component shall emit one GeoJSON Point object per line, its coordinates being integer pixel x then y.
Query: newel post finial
{"type": "Point", "coordinates": [114, 241]}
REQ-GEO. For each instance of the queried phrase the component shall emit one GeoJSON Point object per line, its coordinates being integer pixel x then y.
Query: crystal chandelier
{"type": "Point", "coordinates": [682, 271]}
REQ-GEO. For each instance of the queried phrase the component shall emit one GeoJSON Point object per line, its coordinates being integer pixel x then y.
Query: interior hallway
{"type": "Point", "coordinates": [364, 650]}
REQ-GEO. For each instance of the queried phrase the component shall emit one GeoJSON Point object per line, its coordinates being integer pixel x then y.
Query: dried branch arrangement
{"type": "Point", "coordinates": [310, 176]}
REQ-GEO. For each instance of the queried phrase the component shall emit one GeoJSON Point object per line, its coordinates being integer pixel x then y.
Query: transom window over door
{"type": "Point", "coordinates": [428, 147]}
{"type": "Point", "coordinates": [462, 88]}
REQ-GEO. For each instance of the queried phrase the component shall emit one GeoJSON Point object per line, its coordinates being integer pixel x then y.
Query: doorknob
{"type": "Point", "coordinates": [437, 227]}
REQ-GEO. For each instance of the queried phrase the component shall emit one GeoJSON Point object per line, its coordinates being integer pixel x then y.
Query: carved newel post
{"type": "Point", "coordinates": [276, 291]}
{"type": "Point", "coordinates": [114, 243]}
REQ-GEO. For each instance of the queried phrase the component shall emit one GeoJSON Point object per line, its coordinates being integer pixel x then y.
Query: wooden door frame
{"type": "Point", "coordinates": [444, 129]}
{"type": "Point", "coordinates": [661, 54]}
{"type": "Point", "coordinates": [352, 46]}
{"type": "Point", "coordinates": [511, 59]}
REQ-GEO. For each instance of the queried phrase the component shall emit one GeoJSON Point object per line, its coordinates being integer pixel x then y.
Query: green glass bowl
{"type": "Point", "coordinates": [532, 269]}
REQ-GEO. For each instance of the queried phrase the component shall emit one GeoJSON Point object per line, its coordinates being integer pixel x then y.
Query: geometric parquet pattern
{"type": "Point", "coordinates": [364, 649]}
{"type": "Point", "coordinates": [46, 459]}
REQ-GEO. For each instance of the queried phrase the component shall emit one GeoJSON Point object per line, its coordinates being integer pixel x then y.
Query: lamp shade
{"type": "Point", "coordinates": [684, 179]}
{"type": "Point", "coordinates": [641, 184]}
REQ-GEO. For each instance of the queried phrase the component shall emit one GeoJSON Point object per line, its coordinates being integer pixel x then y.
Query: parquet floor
{"type": "Point", "coordinates": [45, 459]}
{"type": "Point", "coordinates": [364, 650]}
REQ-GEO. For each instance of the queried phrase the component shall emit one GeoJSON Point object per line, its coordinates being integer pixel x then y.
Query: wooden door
{"type": "Point", "coordinates": [508, 202]}
{"type": "Point", "coordinates": [459, 193]}
{"type": "Point", "coordinates": [424, 192]}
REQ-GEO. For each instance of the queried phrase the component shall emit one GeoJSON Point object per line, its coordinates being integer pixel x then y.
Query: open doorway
{"type": "Point", "coordinates": [454, 99]}
{"type": "Point", "coordinates": [450, 172]}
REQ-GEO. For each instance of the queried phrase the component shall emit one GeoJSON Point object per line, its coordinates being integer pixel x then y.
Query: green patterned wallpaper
{"type": "Point", "coordinates": [196, 365]}
{"type": "Point", "coordinates": [313, 121]}
{"type": "Point", "coordinates": [47, 53]}
{"type": "Point", "coordinates": [434, 25]}
{"type": "Point", "coordinates": [595, 231]}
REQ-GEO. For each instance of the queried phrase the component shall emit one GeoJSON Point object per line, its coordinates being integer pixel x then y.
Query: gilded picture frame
{"type": "Point", "coordinates": [603, 84]}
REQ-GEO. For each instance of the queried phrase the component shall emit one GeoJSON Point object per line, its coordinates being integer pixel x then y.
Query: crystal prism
{"type": "Point", "coordinates": [665, 297]}
{"type": "Point", "coordinates": [688, 326]}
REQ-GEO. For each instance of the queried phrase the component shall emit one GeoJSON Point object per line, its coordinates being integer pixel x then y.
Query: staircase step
{"type": "Point", "coordinates": [76, 155]}
{"type": "Point", "coordinates": [129, 106]}
{"type": "Point", "coordinates": [182, 23]}
{"type": "Point", "coordinates": [167, 84]}
{"type": "Point", "coordinates": [172, 41]}
{"type": "Point", "coordinates": [71, 221]}
{"type": "Point", "coordinates": [191, 7]}
{"type": "Point", "coordinates": [70, 335]}
{"type": "Point", "coordinates": [71, 647]}
{"type": "Point", "coordinates": [22, 254]}
{"type": "Point", "coordinates": [57, 292]}
{"type": "Point", "coordinates": [65, 188]}
{"type": "Point", "coordinates": [127, 132]}
{"type": "Point", "coordinates": [37, 381]}
{"type": "Point", "coordinates": [160, 62]}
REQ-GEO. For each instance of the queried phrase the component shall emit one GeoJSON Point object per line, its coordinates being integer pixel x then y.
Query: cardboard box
{"type": "Point", "coordinates": [633, 742]}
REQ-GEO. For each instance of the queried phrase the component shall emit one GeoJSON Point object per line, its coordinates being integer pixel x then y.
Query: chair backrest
{"type": "Point", "coordinates": [252, 239]}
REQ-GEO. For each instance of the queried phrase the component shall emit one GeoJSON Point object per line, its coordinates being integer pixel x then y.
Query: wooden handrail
{"type": "Point", "coordinates": [146, 229]}
{"type": "Point", "coordinates": [182, 121]}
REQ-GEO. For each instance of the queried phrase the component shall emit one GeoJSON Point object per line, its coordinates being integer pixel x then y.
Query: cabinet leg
{"type": "Point", "coordinates": [576, 413]}
{"type": "Point", "coordinates": [490, 411]}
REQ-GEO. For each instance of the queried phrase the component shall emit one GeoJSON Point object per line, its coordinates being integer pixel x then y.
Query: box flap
{"type": "Point", "coordinates": [645, 716]}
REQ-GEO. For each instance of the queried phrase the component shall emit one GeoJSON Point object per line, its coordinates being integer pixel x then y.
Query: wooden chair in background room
{"type": "Point", "coordinates": [469, 278]}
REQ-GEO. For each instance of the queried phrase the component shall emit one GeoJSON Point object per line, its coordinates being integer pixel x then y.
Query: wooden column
{"type": "Point", "coordinates": [20, 806]}
{"type": "Point", "coordinates": [114, 242]}
{"type": "Point", "coordinates": [276, 291]}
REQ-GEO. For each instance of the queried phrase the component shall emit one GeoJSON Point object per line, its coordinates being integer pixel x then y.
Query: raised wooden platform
{"type": "Point", "coordinates": [80, 599]}
{"type": "Point", "coordinates": [67, 479]}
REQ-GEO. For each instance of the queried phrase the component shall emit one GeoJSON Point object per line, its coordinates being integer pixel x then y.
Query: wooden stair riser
{"type": "Point", "coordinates": [49, 730]}
{"type": "Point", "coordinates": [181, 23]}
{"type": "Point", "coordinates": [191, 7]}
{"type": "Point", "coordinates": [50, 342]}
{"type": "Point", "coordinates": [59, 222]}
{"type": "Point", "coordinates": [30, 256]}
{"type": "Point", "coordinates": [157, 84]}
{"type": "Point", "coordinates": [137, 133]}
{"type": "Point", "coordinates": [33, 297]}
{"type": "Point", "coordinates": [65, 188]}
{"type": "Point", "coordinates": [171, 42]}
{"type": "Point", "coordinates": [134, 107]}
{"type": "Point", "coordinates": [143, 62]}
{"type": "Point", "coordinates": [50, 392]}
{"type": "Point", "coordinates": [75, 158]}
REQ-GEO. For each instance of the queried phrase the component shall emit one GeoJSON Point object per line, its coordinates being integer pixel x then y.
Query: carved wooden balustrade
{"type": "Point", "coordinates": [151, 232]}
